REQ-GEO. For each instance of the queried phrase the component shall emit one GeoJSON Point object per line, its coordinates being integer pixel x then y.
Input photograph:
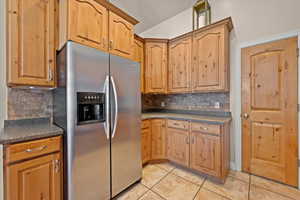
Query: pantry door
{"type": "Point", "coordinates": [269, 110]}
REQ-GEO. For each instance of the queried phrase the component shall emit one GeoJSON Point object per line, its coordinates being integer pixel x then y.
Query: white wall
{"type": "Point", "coordinates": [254, 22]}
{"type": "Point", "coordinates": [2, 64]}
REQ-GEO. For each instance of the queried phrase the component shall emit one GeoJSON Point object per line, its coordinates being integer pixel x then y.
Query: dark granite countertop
{"type": "Point", "coordinates": [15, 131]}
{"type": "Point", "coordinates": [206, 117]}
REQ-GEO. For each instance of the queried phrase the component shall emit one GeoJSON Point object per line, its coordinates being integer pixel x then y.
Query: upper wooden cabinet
{"type": "Point", "coordinates": [31, 29]}
{"type": "Point", "coordinates": [210, 67]}
{"type": "Point", "coordinates": [156, 65]}
{"type": "Point", "coordinates": [138, 56]}
{"type": "Point", "coordinates": [97, 24]}
{"type": "Point", "coordinates": [121, 36]}
{"type": "Point", "coordinates": [88, 23]}
{"type": "Point", "coordinates": [179, 69]}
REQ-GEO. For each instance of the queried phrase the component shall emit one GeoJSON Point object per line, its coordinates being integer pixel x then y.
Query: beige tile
{"type": "Point", "coordinates": [175, 188]}
{"type": "Point", "coordinates": [190, 176]}
{"type": "Point", "coordinates": [205, 194]}
{"type": "Point", "coordinates": [232, 189]}
{"type": "Point", "coordinates": [166, 166]}
{"type": "Point", "coordinates": [152, 175]}
{"type": "Point", "coordinates": [240, 175]}
{"type": "Point", "coordinates": [133, 193]}
{"type": "Point", "coordinates": [257, 193]}
{"type": "Point", "coordinates": [151, 196]}
{"type": "Point", "coordinates": [276, 187]}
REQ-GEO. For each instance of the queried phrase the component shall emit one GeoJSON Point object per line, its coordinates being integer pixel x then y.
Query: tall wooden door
{"type": "Point", "coordinates": [156, 67]}
{"type": "Point", "coordinates": [180, 58]}
{"type": "Point", "coordinates": [121, 36]}
{"type": "Point", "coordinates": [31, 42]}
{"type": "Point", "coordinates": [178, 146]}
{"type": "Point", "coordinates": [88, 23]}
{"type": "Point", "coordinates": [39, 178]}
{"type": "Point", "coordinates": [158, 138]}
{"type": "Point", "coordinates": [269, 110]}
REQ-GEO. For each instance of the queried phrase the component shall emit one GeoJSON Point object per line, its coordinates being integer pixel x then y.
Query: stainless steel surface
{"type": "Point", "coordinates": [116, 106]}
{"type": "Point", "coordinates": [126, 146]}
{"type": "Point", "coordinates": [107, 108]}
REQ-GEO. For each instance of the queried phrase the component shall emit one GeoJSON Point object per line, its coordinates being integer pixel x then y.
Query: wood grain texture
{"type": "Point", "coordinates": [179, 65]}
{"type": "Point", "coordinates": [138, 56]}
{"type": "Point", "coordinates": [31, 29]}
{"type": "Point", "coordinates": [155, 67]}
{"type": "Point", "coordinates": [269, 98]}
{"type": "Point", "coordinates": [158, 138]}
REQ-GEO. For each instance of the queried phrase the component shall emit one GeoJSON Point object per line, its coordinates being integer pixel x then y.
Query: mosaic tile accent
{"type": "Point", "coordinates": [27, 103]}
{"type": "Point", "coordinates": [203, 101]}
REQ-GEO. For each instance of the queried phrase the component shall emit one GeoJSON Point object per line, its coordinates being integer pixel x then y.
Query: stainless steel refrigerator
{"type": "Point", "coordinates": [97, 103]}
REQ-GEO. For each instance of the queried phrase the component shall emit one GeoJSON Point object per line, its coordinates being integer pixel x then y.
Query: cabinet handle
{"type": "Point", "coordinates": [103, 41]}
{"type": "Point", "coordinates": [57, 166]}
{"type": "Point", "coordinates": [193, 140]}
{"type": "Point", "coordinates": [36, 149]}
{"type": "Point", "coordinates": [50, 74]}
{"type": "Point", "coordinates": [204, 128]}
{"type": "Point", "coordinates": [111, 44]}
{"type": "Point", "coordinates": [187, 140]}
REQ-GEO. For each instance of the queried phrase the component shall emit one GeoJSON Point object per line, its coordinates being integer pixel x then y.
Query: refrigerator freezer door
{"type": "Point", "coordinates": [126, 145]}
{"type": "Point", "coordinates": [88, 154]}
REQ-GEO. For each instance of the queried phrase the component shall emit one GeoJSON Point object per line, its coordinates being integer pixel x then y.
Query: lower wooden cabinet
{"type": "Point", "coordinates": [200, 146]}
{"type": "Point", "coordinates": [39, 177]}
{"type": "Point", "coordinates": [146, 141]}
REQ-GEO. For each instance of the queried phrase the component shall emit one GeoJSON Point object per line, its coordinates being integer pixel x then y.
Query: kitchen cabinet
{"type": "Point", "coordinates": [158, 139]}
{"type": "Point", "coordinates": [146, 141]}
{"type": "Point", "coordinates": [97, 24]}
{"type": "Point", "coordinates": [210, 66]}
{"type": "Point", "coordinates": [178, 142]}
{"type": "Point", "coordinates": [179, 69]}
{"type": "Point", "coordinates": [138, 56]}
{"type": "Point", "coordinates": [33, 170]}
{"type": "Point", "coordinates": [156, 65]}
{"type": "Point", "coordinates": [31, 29]}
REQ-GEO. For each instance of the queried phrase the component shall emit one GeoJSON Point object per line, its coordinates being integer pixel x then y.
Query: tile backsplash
{"type": "Point", "coordinates": [203, 101]}
{"type": "Point", "coordinates": [27, 103]}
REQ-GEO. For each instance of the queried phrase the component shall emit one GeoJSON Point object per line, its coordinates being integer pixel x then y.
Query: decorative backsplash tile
{"type": "Point", "coordinates": [27, 103]}
{"type": "Point", "coordinates": [203, 101]}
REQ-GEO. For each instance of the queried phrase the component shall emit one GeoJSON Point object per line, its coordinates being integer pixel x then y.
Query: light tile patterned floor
{"type": "Point", "coordinates": [167, 182]}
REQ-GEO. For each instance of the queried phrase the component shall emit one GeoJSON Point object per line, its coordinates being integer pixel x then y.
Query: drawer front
{"type": "Point", "coordinates": [178, 124]}
{"type": "Point", "coordinates": [145, 124]}
{"type": "Point", "coordinates": [26, 150]}
{"type": "Point", "coordinates": [206, 128]}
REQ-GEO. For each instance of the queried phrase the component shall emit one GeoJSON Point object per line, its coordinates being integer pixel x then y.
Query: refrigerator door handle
{"type": "Point", "coordinates": [116, 105]}
{"type": "Point", "coordinates": [106, 91]}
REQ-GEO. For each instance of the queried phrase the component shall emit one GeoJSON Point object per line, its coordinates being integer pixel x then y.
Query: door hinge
{"type": "Point", "coordinates": [57, 166]}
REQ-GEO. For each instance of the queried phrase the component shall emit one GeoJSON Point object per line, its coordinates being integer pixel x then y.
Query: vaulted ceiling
{"type": "Point", "coordinates": [152, 12]}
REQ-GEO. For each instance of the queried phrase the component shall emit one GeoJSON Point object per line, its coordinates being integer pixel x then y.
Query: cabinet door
{"type": "Point", "coordinates": [146, 145]}
{"type": "Point", "coordinates": [206, 153]}
{"type": "Point", "coordinates": [39, 178]}
{"type": "Point", "coordinates": [156, 67]}
{"type": "Point", "coordinates": [121, 36]}
{"type": "Point", "coordinates": [180, 58]}
{"type": "Point", "coordinates": [138, 56]}
{"type": "Point", "coordinates": [31, 42]}
{"type": "Point", "coordinates": [178, 149]}
{"type": "Point", "coordinates": [210, 60]}
{"type": "Point", "coordinates": [158, 138]}
{"type": "Point", "coordinates": [88, 23]}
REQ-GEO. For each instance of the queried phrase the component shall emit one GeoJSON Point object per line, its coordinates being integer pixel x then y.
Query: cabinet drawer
{"type": "Point", "coordinates": [21, 151]}
{"type": "Point", "coordinates": [145, 124]}
{"type": "Point", "coordinates": [207, 128]}
{"type": "Point", "coordinates": [178, 124]}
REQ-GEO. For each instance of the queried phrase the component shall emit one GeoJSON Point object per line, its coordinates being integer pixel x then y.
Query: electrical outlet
{"type": "Point", "coordinates": [217, 105]}
{"type": "Point", "coordinates": [162, 104]}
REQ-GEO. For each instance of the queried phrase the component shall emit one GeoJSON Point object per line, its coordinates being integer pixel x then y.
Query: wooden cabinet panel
{"type": "Point", "coordinates": [206, 153]}
{"type": "Point", "coordinates": [121, 36]}
{"type": "Point", "coordinates": [179, 69]}
{"type": "Point", "coordinates": [178, 146]}
{"type": "Point", "coordinates": [158, 138]}
{"type": "Point", "coordinates": [156, 67]}
{"type": "Point", "coordinates": [210, 60]}
{"type": "Point", "coordinates": [31, 42]}
{"type": "Point", "coordinates": [39, 178]}
{"type": "Point", "coordinates": [88, 23]}
{"type": "Point", "coordinates": [146, 145]}
{"type": "Point", "coordinates": [138, 56]}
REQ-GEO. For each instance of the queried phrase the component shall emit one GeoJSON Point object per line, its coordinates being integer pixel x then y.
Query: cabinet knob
{"type": "Point", "coordinates": [245, 116]}
{"type": "Point", "coordinates": [111, 44]}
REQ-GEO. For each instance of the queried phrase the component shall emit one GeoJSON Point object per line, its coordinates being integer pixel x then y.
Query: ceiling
{"type": "Point", "coordinates": [152, 12]}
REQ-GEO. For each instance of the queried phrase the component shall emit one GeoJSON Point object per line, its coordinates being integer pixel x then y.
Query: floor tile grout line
{"type": "Point", "coordinates": [189, 180]}
{"type": "Point", "coordinates": [199, 188]}
{"type": "Point", "coordinates": [249, 187]}
{"type": "Point", "coordinates": [217, 193]}
{"type": "Point", "coordinates": [280, 194]}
